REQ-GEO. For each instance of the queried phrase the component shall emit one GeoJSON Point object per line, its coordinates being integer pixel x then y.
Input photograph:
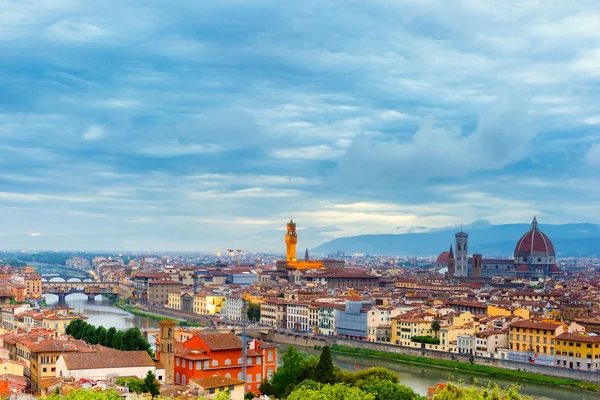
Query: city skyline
{"type": "Point", "coordinates": [207, 125]}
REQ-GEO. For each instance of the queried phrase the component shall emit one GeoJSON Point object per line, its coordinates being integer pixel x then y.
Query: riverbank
{"type": "Point", "coordinates": [124, 305]}
{"type": "Point", "coordinates": [471, 368]}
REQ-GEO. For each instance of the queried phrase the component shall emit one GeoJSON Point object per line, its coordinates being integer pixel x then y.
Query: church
{"type": "Point", "coordinates": [291, 263]}
{"type": "Point", "coordinates": [534, 258]}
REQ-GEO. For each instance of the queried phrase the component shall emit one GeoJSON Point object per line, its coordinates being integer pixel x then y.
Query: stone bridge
{"type": "Point", "coordinates": [92, 289]}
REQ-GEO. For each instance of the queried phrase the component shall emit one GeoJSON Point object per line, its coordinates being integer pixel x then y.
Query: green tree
{"type": "Point", "coordinates": [323, 373]}
{"type": "Point", "coordinates": [339, 391]}
{"type": "Point", "coordinates": [117, 341]}
{"type": "Point", "coordinates": [151, 385]}
{"type": "Point", "coordinates": [386, 390]}
{"type": "Point", "coordinates": [289, 374]}
{"type": "Point", "coordinates": [134, 384]}
{"type": "Point", "coordinates": [435, 327]}
{"type": "Point", "coordinates": [110, 334]}
{"type": "Point", "coordinates": [129, 341]}
{"type": "Point", "coordinates": [101, 335]}
{"type": "Point", "coordinates": [361, 378]}
{"type": "Point", "coordinates": [90, 334]}
{"type": "Point", "coordinates": [491, 392]}
{"type": "Point", "coordinates": [253, 311]}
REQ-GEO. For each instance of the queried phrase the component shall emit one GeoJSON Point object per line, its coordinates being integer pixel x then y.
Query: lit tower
{"type": "Point", "coordinates": [462, 255]}
{"type": "Point", "coordinates": [290, 241]}
{"type": "Point", "coordinates": [166, 353]}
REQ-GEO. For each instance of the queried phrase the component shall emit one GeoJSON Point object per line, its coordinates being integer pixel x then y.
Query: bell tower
{"type": "Point", "coordinates": [166, 353]}
{"type": "Point", "coordinates": [290, 241]}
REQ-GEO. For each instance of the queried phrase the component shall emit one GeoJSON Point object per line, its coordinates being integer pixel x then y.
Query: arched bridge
{"type": "Point", "coordinates": [92, 289]}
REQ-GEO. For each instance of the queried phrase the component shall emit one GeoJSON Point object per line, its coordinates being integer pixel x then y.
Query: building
{"type": "Point", "coordinates": [165, 350]}
{"type": "Point", "coordinates": [159, 290]}
{"type": "Point", "coordinates": [208, 354]}
{"type": "Point", "coordinates": [578, 351]}
{"type": "Point", "coordinates": [533, 342]}
{"type": "Point", "coordinates": [291, 263]}
{"type": "Point", "coordinates": [210, 387]}
{"type": "Point", "coordinates": [462, 254]}
{"type": "Point", "coordinates": [141, 284]}
{"type": "Point", "coordinates": [351, 322]}
{"type": "Point", "coordinates": [269, 356]}
{"type": "Point", "coordinates": [326, 318]}
{"type": "Point", "coordinates": [106, 363]}
{"type": "Point", "coordinates": [234, 308]}
{"type": "Point", "coordinates": [273, 312]}
{"type": "Point", "coordinates": [33, 284]}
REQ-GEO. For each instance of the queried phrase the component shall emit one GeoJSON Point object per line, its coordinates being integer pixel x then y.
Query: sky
{"type": "Point", "coordinates": [206, 125]}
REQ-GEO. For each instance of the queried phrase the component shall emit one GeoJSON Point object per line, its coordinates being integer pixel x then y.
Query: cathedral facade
{"type": "Point", "coordinates": [534, 257]}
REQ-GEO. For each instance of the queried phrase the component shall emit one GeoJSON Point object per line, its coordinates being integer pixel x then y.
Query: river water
{"type": "Point", "coordinates": [102, 311]}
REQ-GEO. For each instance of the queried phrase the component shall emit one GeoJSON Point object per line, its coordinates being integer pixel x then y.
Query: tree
{"type": "Point", "coordinates": [435, 327]}
{"type": "Point", "coordinates": [110, 334]}
{"type": "Point", "coordinates": [253, 312]}
{"type": "Point", "coordinates": [491, 392]}
{"type": "Point", "coordinates": [117, 341]}
{"type": "Point", "coordinates": [150, 384]}
{"type": "Point", "coordinates": [101, 335]}
{"type": "Point", "coordinates": [90, 334]}
{"type": "Point", "coordinates": [323, 373]}
{"type": "Point", "coordinates": [361, 378]}
{"type": "Point", "coordinates": [386, 390]}
{"type": "Point", "coordinates": [86, 394]}
{"type": "Point", "coordinates": [129, 341]}
{"type": "Point", "coordinates": [339, 391]}
{"type": "Point", "coordinates": [133, 384]}
{"type": "Point", "coordinates": [293, 370]}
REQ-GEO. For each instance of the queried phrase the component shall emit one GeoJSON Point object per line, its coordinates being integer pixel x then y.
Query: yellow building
{"type": "Point", "coordinates": [578, 351]}
{"type": "Point", "coordinates": [11, 367]}
{"type": "Point", "coordinates": [494, 311]}
{"type": "Point", "coordinates": [200, 303]}
{"type": "Point", "coordinates": [533, 341]}
{"type": "Point", "coordinates": [58, 319]}
{"type": "Point", "coordinates": [404, 328]}
{"type": "Point", "coordinates": [33, 285]}
{"type": "Point", "coordinates": [174, 301]}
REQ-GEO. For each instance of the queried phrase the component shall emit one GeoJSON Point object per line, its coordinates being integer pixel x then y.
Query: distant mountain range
{"type": "Point", "coordinates": [580, 239]}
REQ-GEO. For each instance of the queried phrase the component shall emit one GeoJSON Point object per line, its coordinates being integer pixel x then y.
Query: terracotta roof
{"type": "Point", "coordinates": [534, 241]}
{"type": "Point", "coordinates": [216, 382]}
{"type": "Point", "coordinates": [221, 341]}
{"type": "Point", "coordinates": [536, 325]}
{"type": "Point", "coordinates": [578, 338]}
{"type": "Point", "coordinates": [105, 357]}
{"type": "Point", "coordinates": [442, 258]}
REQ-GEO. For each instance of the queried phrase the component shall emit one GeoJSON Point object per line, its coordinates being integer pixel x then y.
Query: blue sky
{"type": "Point", "coordinates": [204, 125]}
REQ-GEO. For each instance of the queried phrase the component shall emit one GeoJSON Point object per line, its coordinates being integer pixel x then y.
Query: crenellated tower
{"type": "Point", "coordinates": [291, 239]}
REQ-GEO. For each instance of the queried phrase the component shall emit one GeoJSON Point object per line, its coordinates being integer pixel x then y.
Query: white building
{"type": "Point", "coordinates": [326, 318]}
{"type": "Point", "coordinates": [298, 317]}
{"type": "Point", "coordinates": [233, 308]}
{"type": "Point", "coordinates": [465, 344]}
{"type": "Point", "coordinates": [106, 363]}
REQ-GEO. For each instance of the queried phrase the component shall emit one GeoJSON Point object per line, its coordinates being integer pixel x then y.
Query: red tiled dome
{"type": "Point", "coordinates": [442, 258]}
{"type": "Point", "coordinates": [534, 241]}
{"type": "Point", "coordinates": [554, 269]}
{"type": "Point", "coordinates": [523, 268]}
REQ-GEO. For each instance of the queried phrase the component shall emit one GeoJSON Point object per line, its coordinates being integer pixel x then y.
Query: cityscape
{"type": "Point", "coordinates": [301, 200]}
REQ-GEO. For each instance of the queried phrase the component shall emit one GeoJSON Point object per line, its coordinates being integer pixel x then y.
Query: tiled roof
{"type": "Point", "coordinates": [221, 341]}
{"type": "Point", "coordinates": [105, 357]}
{"type": "Point", "coordinates": [216, 382]}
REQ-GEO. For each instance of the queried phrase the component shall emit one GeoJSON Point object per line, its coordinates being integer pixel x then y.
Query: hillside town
{"type": "Point", "coordinates": [532, 309]}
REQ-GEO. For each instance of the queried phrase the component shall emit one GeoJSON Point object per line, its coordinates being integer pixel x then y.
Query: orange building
{"type": "Point", "coordinates": [209, 354]}
{"type": "Point", "coordinates": [33, 283]}
{"type": "Point", "coordinates": [19, 292]}
{"type": "Point", "coordinates": [269, 356]}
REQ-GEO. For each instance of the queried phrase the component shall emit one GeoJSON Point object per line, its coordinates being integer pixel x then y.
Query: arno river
{"type": "Point", "coordinates": [101, 311]}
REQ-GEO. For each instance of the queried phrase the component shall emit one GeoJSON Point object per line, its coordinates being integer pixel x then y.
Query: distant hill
{"type": "Point", "coordinates": [581, 239]}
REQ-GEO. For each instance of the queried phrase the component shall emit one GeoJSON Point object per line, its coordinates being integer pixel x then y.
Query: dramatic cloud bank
{"type": "Point", "coordinates": [205, 125]}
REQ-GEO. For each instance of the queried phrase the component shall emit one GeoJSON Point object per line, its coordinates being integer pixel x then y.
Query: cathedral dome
{"type": "Point", "coordinates": [534, 247]}
{"type": "Point", "coordinates": [442, 258]}
{"type": "Point", "coordinates": [554, 269]}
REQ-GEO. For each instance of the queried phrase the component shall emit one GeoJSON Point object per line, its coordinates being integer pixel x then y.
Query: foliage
{"type": "Point", "coordinates": [482, 369]}
{"type": "Point", "coordinates": [386, 390]}
{"type": "Point", "coordinates": [13, 262]}
{"type": "Point", "coordinates": [295, 368]}
{"type": "Point", "coordinates": [492, 392]}
{"type": "Point", "coordinates": [248, 396]}
{"type": "Point", "coordinates": [363, 377]}
{"type": "Point", "coordinates": [323, 373]}
{"type": "Point", "coordinates": [134, 384]}
{"type": "Point", "coordinates": [129, 340]}
{"type": "Point", "coordinates": [435, 326]}
{"type": "Point", "coordinates": [253, 311]}
{"type": "Point", "coordinates": [339, 391]}
{"type": "Point", "coordinates": [281, 295]}
{"type": "Point", "coordinates": [151, 385]}
{"type": "Point", "coordinates": [425, 339]}
{"type": "Point", "coordinates": [83, 394]}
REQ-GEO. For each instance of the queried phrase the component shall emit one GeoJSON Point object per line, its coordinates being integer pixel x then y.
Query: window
{"type": "Point", "coordinates": [198, 365]}
{"type": "Point", "coordinates": [228, 362]}
{"type": "Point", "coordinates": [215, 363]}
{"type": "Point", "coordinates": [249, 378]}
{"type": "Point", "coordinates": [227, 375]}
{"type": "Point", "coordinates": [191, 364]}
{"type": "Point", "coordinates": [177, 361]}
{"type": "Point", "coordinates": [44, 369]}
{"type": "Point", "coordinates": [177, 377]}
{"type": "Point", "coordinates": [241, 376]}
{"type": "Point", "coordinates": [183, 362]}
{"type": "Point", "coordinates": [205, 364]}
{"type": "Point", "coordinates": [258, 378]}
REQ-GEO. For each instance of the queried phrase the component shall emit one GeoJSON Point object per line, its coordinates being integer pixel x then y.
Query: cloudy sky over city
{"type": "Point", "coordinates": [204, 125]}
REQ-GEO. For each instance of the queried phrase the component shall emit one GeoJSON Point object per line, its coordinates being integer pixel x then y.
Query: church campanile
{"type": "Point", "coordinates": [166, 351]}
